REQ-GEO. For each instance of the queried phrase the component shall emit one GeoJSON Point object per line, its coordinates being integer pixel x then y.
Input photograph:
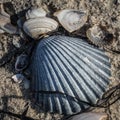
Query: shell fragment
{"type": "Point", "coordinates": [70, 19]}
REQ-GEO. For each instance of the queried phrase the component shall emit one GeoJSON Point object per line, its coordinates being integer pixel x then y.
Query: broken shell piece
{"type": "Point", "coordinates": [5, 23]}
{"type": "Point", "coordinates": [71, 19]}
{"type": "Point", "coordinates": [89, 116]}
{"type": "Point", "coordinates": [99, 36]}
{"type": "Point", "coordinates": [21, 62]}
{"type": "Point", "coordinates": [35, 12]}
{"type": "Point", "coordinates": [18, 78]}
{"type": "Point", "coordinates": [36, 27]}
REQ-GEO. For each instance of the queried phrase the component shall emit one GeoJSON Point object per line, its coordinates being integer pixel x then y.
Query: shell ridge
{"type": "Point", "coordinates": [51, 82]}
{"type": "Point", "coordinates": [39, 83]}
{"type": "Point", "coordinates": [44, 98]}
{"type": "Point", "coordinates": [48, 81]}
{"type": "Point", "coordinates": [64, 90]}
{"type": "Point", "coordinates": [79, 68]}
{"type": "Point", "coordinates": [52, 50]}
{"type": "Point", "coordinates": [49, 52]}
{"type": "Point", "coordinates": [44, 42]}
{"type": "Point", "coordinates": [78, 46]}
{"type": "Point", "coordinates": [55, 65]}
{"type": "Point", "coordinates": [82, 60]}
{"type": "Point", "coordinates": [84, 54]}
{"type": "Point", "coordinates": [67, 57]}
{"type": "Point", "coordinates": [58, 104]}
{"type": "Point", "coordinates": [86, 45]}
{"type": "Point", "coordinates": [59, 68]}
{"type": "Point", "coordinates": [54, 76]}
{"type": "Point", "coordinates": [53, 101]}
{"type": "Point", "coordinates": [93, 53]}
{"type": "Point", "coordinates": [66, 68]}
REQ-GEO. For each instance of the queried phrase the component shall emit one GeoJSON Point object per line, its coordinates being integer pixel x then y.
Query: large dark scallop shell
{"type": "Point", "coordinates": [68, 65]}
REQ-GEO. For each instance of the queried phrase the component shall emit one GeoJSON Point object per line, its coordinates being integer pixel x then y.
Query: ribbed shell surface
{"type": "Point", "coordinates": [68, 65]}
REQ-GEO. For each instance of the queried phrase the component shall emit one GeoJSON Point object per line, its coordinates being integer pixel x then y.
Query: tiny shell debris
{"type": "Point", "coordinates": [5, 23]}
{"type": "Point", "coordinates": [35, 12]}
{"type": "Point", "coordinates": [70, 19]}
{"type": "Point", "coordinates": [21, 62]}
{"type": "Point", "coordinates": [89, 116]}
{"type": "Point", "coordinates": [39, 26]}
{"type": "Point", "coordinates": [18, 78]}
{"type": "Point", "coordinates": [98, 36]}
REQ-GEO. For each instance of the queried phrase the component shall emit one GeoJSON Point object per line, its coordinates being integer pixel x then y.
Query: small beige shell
{"type": "Point", "coordinates": [99, 36]}
{"type": "Point", "coordinates": [35, 12]}
{"type": "Point", "coordinates": [89, 116]}
{"type": "Point", "coordinates": [38, 26]}
{"type": "Point", "coordinates": [71, 19]}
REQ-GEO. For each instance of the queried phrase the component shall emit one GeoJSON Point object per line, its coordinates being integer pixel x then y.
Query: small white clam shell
{"type": "Point", "coordinates": [18, 78]}
{"type": "Point", "coordinates": [36, 27]}
{"type": "Point", "coordinates": [71, 19]}
{"type": "Point", "coordinates": [21, 62]}
{"type": "Point", "coordinates": [89, 116]}
{"type": "Point", "coordinates": [35, 12]}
